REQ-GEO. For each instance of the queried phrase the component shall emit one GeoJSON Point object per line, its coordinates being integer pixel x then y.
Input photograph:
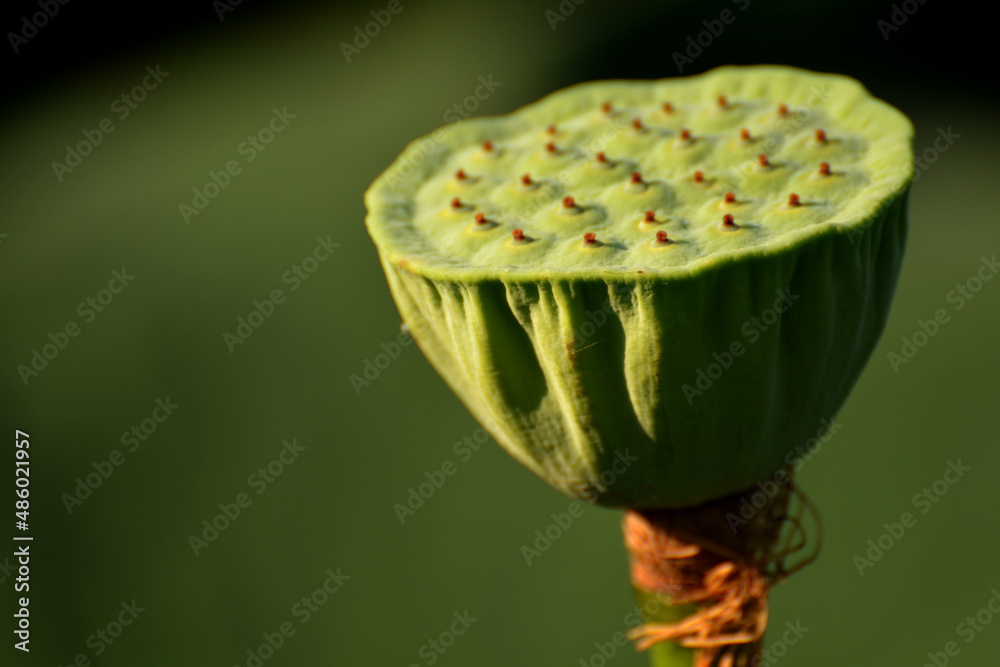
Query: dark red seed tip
{"type": "Point", "coordinates": [824, 168]}
{"type": "Point", "coordinates": [723, 101]}
{"type": "Point", "coordinates": [763, 160]}
{"type": "Point", "coordinates": [637, 123]}
{"type": "Point", "coordinates": [550, 147]}
{"type": "Point", "coordinates": [727, 220]}
{"type": "Point", "coordinates": [551, 129]}
{"type": "Point", "coordinates": [821, 136]}
{"type": "Point", "coordinates": [601, 157]}
{"type": "Point", "coordinates": [661, 237]}
{"type": "Point", "coordinates": [685, 133]}
{"type": "Point", "coordinates": [650, 216]}
{"type": "Point", "coordinates": [518, 235]}
{"type": "Point", "coordinates": [699, 176]}
{"type": "Point", "coordinates": [606, 107]}
{"type": "Point", "coordinates": [460, 175]}
{"type": "Point", "coordinates": [590, 237]}
{"type": "Point", "coordinates": [782, 109]}
{"type": "Point", "coordinates": [480, 218]}
{"type": "Point", "coordinates": [793, 200]}
{"type": "Point", "coordinates": [636, 177]}
{"type": "Point", "coordinates": [526, 179]}
{"type": "Point", "coordinates": [668, 107]}
{"type": "Point", "coordinates": [568, 202]}
{"type": "Point", "coordinates": [745, 134]}
{"type": "Point", "coordinates": [729, 198]}
{"type": "Point", "coordinates": [487, 145]}
{"type": "Point", "coordinates": [456, 203]}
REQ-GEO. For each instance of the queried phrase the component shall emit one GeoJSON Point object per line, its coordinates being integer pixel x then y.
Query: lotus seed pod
{"type": "Point", "coordinates": [652, 292]}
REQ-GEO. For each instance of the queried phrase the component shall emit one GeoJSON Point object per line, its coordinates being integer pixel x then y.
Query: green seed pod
{"type": "Point", "coordinates": [651, 293]}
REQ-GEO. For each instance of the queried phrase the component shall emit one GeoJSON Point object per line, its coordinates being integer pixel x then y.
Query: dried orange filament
{"type": "Point", "coordinates": [685, 555]}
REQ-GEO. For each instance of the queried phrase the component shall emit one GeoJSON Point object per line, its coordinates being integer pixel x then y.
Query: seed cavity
{"type": "Point", "coordinates": [728, 224]}
{"type": "Point", "coordinates": [635, 184]}
{"type": "Point", "coordinates": [661, 240]}
{"type": "Point", "coordinates": [482, 223]}
{"type": "Point", "coordinates": [517, 237]}
{"type": "Point", "coordinates": [570, 207]}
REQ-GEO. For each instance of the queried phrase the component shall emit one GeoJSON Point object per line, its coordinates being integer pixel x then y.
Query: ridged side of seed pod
{"type": "Point", "coordinates": [589, 382]}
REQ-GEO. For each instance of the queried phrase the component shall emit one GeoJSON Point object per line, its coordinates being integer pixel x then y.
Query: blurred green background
{"type": "Point", "coordinates": [364, 446]}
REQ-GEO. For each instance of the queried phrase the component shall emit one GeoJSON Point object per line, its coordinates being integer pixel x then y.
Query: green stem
{"type": "Point", "coordinates": [657, 609]}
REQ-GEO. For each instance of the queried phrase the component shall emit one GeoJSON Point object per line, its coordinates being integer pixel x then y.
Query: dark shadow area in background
{"type": "Point", "coordinates": [943, 42]}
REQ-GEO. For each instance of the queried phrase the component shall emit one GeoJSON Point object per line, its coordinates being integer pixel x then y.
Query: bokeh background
{"type": "Point", "coordinates": [332, 507]}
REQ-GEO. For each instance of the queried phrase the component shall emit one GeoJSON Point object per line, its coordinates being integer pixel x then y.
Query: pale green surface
{"type": "Point", "coordinates": [412, 218]}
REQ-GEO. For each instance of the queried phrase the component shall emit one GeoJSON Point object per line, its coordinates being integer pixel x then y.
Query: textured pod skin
{"type": "Point", "coordinates": [659, 386]}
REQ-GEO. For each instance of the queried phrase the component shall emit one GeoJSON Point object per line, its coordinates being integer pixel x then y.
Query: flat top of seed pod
{"type": "Point", "coordinates": [659, 177]}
